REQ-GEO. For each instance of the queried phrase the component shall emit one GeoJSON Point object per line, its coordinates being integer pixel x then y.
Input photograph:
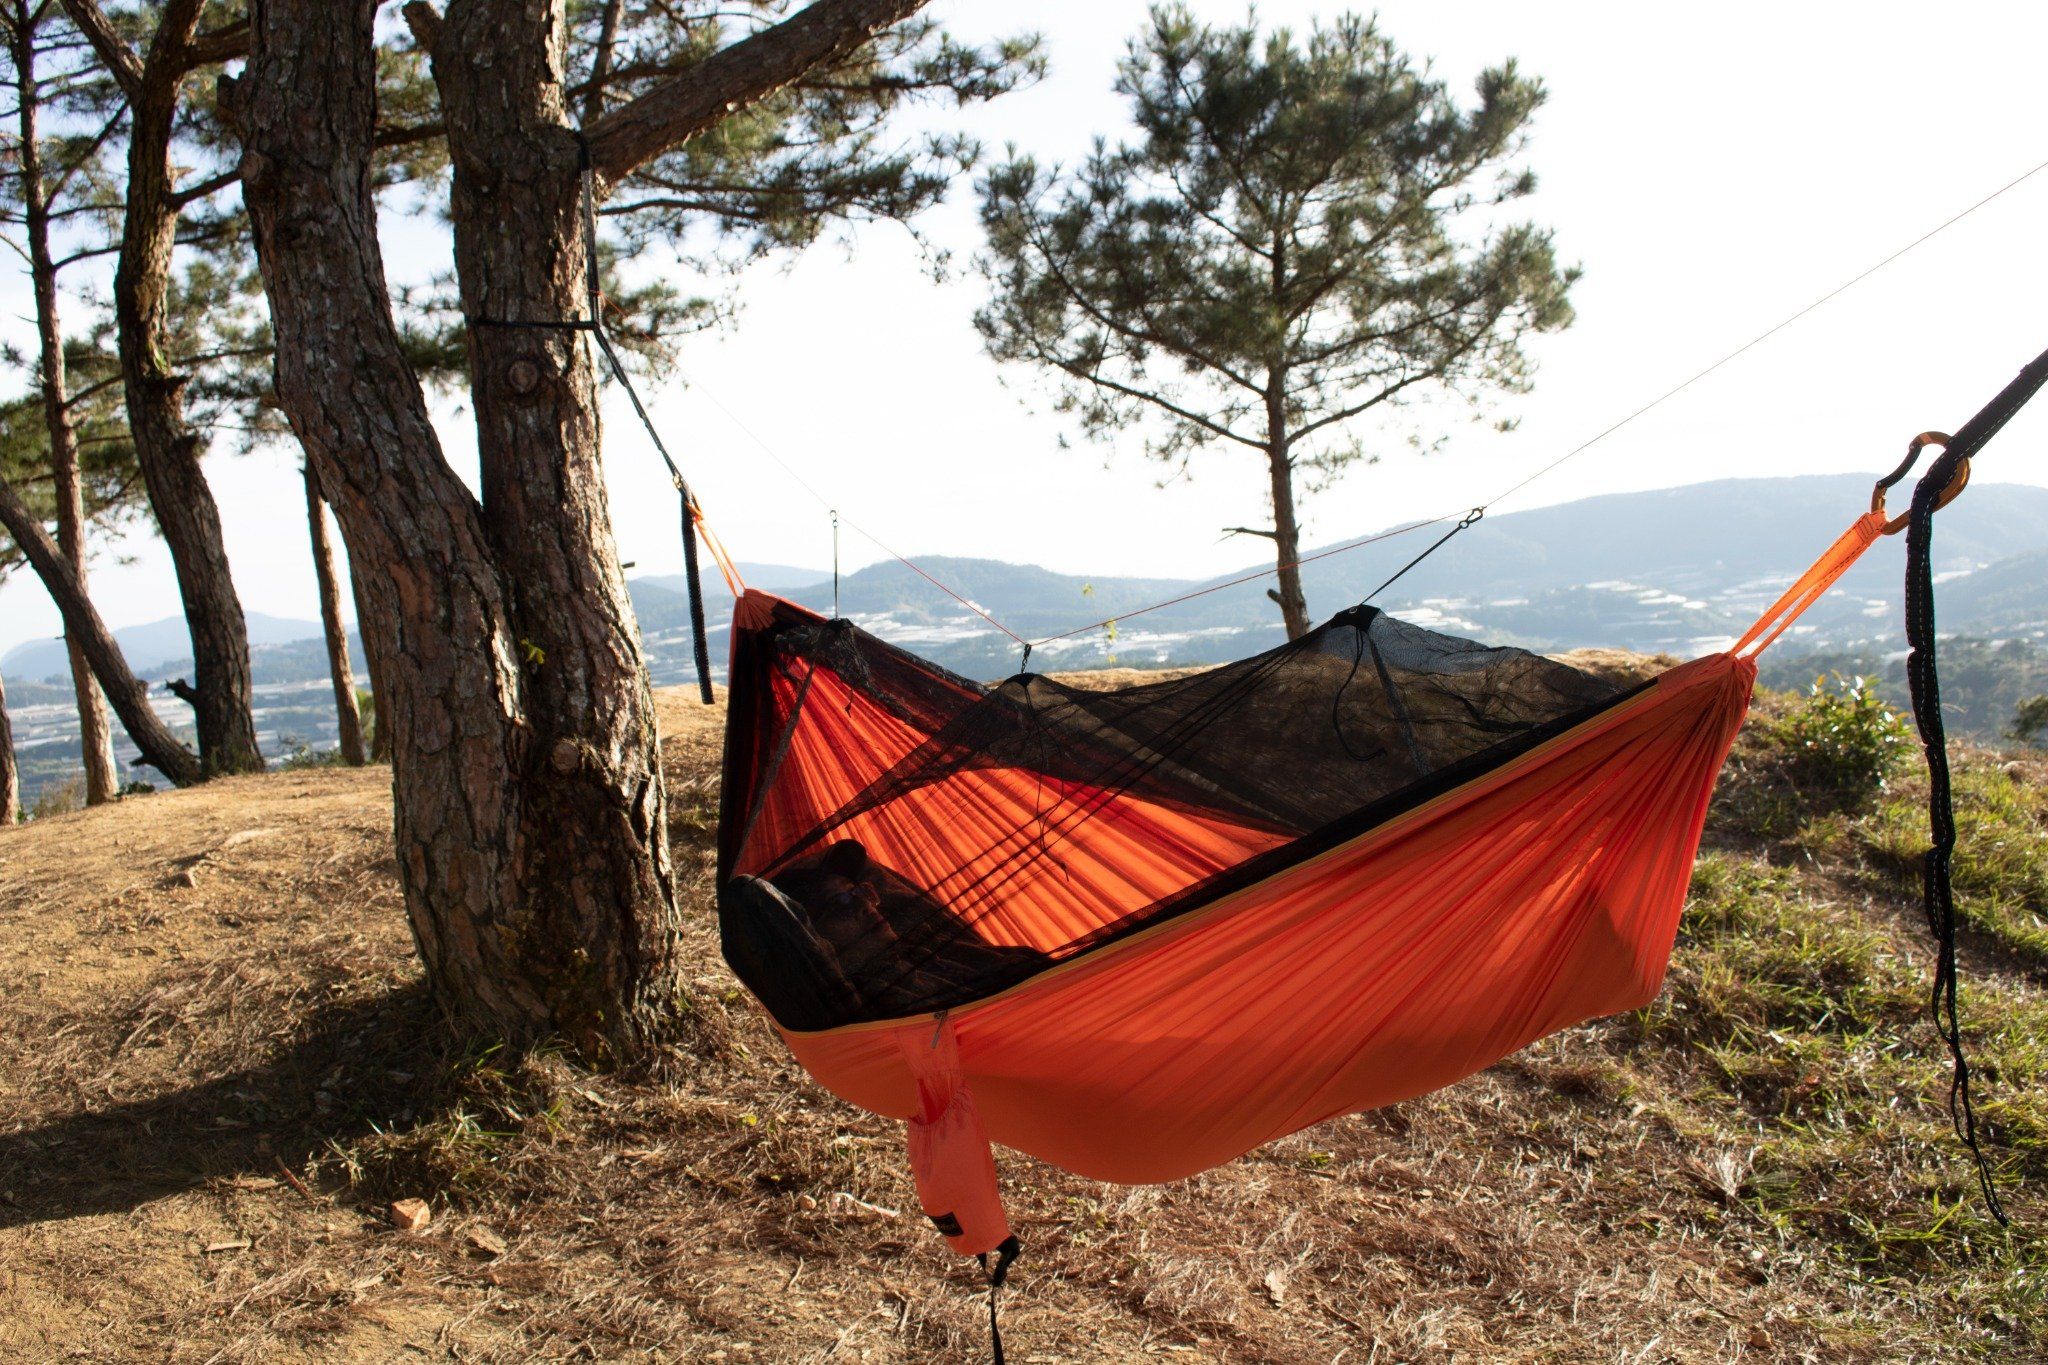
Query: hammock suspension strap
{"type": "Point", "coordinates": [1943, 480]}
{"type": "Point", "coordinates": [1006, 1254]}
{"type": "Point", "coordinates": [593, 323]}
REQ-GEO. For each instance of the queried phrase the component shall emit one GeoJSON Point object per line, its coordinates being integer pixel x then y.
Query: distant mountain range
{"type": "Point", "coordinates": [1680, 571]}
{"type": "Point", "coordinates": [160, 647]}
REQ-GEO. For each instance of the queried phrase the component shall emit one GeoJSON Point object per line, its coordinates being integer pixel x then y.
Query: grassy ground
{"type": "Point", "coordinates": [217, 1070]}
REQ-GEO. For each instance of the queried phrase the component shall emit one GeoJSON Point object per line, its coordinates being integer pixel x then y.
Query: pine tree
{"type": "Point", "coordinates": [53, 181]}
{"type": "Point", "coordinates": [1305, 232]}
{"type": "Point", "coordinates": [150, 66]}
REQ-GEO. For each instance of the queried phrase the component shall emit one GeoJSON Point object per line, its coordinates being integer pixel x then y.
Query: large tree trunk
{"type": "Point", "coordinates": [529, 800]}
{"type": "Point", "coordinates": [452, 667]}
{"type": "Point", "coordinates": [95, 742]}
{"type": "Point", "coordinates": [1286, 530]}
{"type": "Point", "coordinates": [593, 836]}
{"type": "Point", "coordinates": [348, 717]}
{"type": "Point", "coordinates": [130, 697]}
{"type": "Point", "coordinates": [166, 447]}
{"type": "Point", "coordinates": [10, 782]}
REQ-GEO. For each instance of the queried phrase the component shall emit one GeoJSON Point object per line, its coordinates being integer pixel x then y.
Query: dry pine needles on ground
{"type": "Point", "coordinates": [221, 1073]}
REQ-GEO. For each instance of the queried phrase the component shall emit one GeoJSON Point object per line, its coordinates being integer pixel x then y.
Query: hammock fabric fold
{"type": "Point", "coordinates": [1139, 932]}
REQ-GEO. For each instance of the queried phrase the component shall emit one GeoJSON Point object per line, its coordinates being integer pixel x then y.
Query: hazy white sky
{"type": "Point", "coordinates": [1713, 168]}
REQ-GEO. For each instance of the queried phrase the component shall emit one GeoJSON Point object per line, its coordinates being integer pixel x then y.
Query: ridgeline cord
{"type": "Point", "coordinates": [1923, 677]}
{"type": "Point", "coordinates": [1471, 518]}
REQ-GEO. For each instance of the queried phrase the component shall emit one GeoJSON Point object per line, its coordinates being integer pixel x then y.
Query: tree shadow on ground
{"type": "Point", "coordinates": [352, 1064]}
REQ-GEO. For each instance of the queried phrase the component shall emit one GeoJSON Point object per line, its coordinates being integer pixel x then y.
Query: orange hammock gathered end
{"type": "Point", "coordinates": [1139, 932]}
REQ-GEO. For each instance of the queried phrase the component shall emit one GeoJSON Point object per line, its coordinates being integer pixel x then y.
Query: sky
{"type": "Point", "coordinates": [1714, 169]}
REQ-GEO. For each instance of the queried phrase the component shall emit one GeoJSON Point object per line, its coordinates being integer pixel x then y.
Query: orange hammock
{"type": "Point", "coordinates": [1106, 986]}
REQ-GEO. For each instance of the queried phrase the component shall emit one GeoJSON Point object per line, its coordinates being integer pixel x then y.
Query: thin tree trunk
{"type": "Point", "coordinates": [348, 718]}
{"type": "Point", "coordinates": [10, 781]}
{"type": "Point", "coordinates": [380, 718]}
{"type": "Point", "coordinates": [130, 697]}
{"type": "Point", "coordinates": [166, 447]}
{"type": "Point", "coordinates": [1286, 530]}
{"type": "Point", "coordinates": [95, 741]}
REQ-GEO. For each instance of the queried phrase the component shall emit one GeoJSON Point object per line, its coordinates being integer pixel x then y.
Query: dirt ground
{"type": "Point", "coordinates": [218, 1068]}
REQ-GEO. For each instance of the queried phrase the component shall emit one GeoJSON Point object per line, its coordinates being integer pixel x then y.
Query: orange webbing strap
{"type": "Point", "coordinates": [1812, 584]}
{"type": "Point", "coordinates": [727, 570]}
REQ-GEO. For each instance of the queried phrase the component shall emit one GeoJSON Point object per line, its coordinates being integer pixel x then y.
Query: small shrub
{"type": "Point", "coordinates": [59, 798]}
{"type": "Point", "coordinates": [1842, 744]}
{"type": "Point", "coordinates": [2030, 721]}
{"type": "Point", "coordinates": [300, 754]}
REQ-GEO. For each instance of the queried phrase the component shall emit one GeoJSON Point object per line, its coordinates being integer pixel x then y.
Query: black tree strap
{"type": "Point", "coordinates": [593, 323]}
{"type": "Point", "coordinates": [699, 642]}
{"type": "Point", "coordinates": [1006, 1253]}
{"type": "Point", "coordinates": [1923, 676]}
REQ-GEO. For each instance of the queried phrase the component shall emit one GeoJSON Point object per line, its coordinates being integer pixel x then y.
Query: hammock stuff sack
{"type": "Point", "coordinates": [1139, 932]}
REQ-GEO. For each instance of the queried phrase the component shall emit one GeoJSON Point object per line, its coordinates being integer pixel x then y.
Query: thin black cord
{"type": "Point", "coordinates": [1938, 894]}
{"type": "Point", "coordinates": [1471, 518]}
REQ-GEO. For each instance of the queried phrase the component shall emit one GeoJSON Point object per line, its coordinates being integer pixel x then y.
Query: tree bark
{"type": "Point", "coordinates": [166, 447]}
{"type": "Point", "coordinates": [529, 799]}
{"type": "Point", "coordinates": [1286, 530]}
{"type": "Point", "coordinates": [95, 741]}
{"type": "Point", "coordinates": [433, 607]}
{"type": "Point", "coordinates": [593, 836]}
{"type": "Point", "coordinates": [348, 716]}
{"type": "Point", "coordinates": [129, 696]}
{"type": "Point", "coordinates": [10, 781]}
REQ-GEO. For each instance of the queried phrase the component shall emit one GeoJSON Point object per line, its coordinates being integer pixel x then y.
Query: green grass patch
{"type": "Point", "coordinates": [1796, 1023]}
{"type": "Point", "coordinates": [2000, 870]}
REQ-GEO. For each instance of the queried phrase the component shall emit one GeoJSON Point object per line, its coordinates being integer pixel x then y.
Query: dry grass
{"type": "Point", "coordinates": [219, 1067]}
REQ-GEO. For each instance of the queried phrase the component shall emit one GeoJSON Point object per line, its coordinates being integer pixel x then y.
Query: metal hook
{"type": "Point", "coordinates": [835, 564]}
{"type": "Point", "coordinates": [1956, 484]}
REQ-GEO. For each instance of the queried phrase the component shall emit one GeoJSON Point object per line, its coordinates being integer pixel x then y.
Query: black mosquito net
{"type": "Point", "coordinates": [1028, 822]}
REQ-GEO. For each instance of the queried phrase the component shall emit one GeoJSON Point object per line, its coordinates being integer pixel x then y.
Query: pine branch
{"type": "Point", "coordinates": [115, 55]}
{"type": "Point", "coordinates": [681, 106]}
